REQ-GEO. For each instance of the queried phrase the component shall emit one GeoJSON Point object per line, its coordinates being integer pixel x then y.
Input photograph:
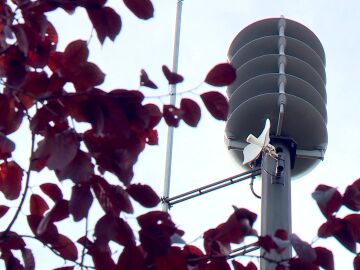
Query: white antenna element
{"type": "Point", "coordinates": [170, 137]}
{"type": "Point", "coordinates": [258, 145]}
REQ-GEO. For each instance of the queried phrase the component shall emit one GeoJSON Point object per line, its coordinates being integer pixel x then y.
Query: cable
{"type": "Point", "coordinates": [269, 173]}
{"type": "Point", "coordinates": [252, 188]}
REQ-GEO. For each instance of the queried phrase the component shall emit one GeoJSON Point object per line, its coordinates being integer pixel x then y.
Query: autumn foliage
{"type": "Point", "coordinates": [48, 89]}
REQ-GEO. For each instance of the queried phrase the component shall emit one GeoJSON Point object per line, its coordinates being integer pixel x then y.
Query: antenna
{"type": "Point", "coordinates": [280, 79]}
{"type": "Point", "coordinates": [257, 145]}
{"type": "Point", "coordinates": [170, 136]}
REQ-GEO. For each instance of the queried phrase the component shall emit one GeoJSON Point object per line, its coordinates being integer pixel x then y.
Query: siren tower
{"type": "Point", "coordinates": [281, 77]}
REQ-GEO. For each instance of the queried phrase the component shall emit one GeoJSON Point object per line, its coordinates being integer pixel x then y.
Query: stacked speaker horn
{"type": "Point", "coordinates": [280, 76]}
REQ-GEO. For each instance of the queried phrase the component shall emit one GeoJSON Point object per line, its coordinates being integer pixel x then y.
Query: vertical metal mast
{"type": "Point", "coordinates": [276, 177]}
{"type": "Point", "coordinates": [276, 199]}
{"type": "Point", "coordinates": [172, 91]}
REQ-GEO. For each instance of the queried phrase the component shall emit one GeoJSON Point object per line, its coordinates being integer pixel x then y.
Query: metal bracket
{"type": "Point", "coordinates": [211, 187]}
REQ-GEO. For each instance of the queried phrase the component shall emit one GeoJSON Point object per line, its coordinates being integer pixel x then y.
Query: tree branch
{"type": "Point", "coordinates": [56, 253]}
{"type": "Point", "coordinates": [27, 183]}
{"type": "Point", "coordinates": [84, 246]}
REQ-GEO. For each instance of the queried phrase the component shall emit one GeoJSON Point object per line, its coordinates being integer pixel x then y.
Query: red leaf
{"type": "Point", "coordinates": [280, 267]}
{"type": "Point", "coordinates": [59, 212]}
{"type": "Point", "coordinates": [221, 75]}
{"type": "Point", "coordinates": [44, 123]}
{"type": "Point", "coordinates": [112, 199]}
{"type": "Point", "coordinates": [172, 77]}
{"type": "Point", "coordinates": [101, 255]}
{"type": "Point", "coordinates": [193, 256]}
{"type": "Point", "coordinates": [106, 22]}
{"type": "Point", "coordinates": [12, 241]}
{"type": "Point", "coordinates": [174, 260]}
{"type": "Point", "coordinates": [3, 210]}
{"type": "Point", "coordinates": [36, 86]}
{"type": "Point", "coordinates": [237, 227]}
{"type": "Point", "coordinates": [304, 250]}
{"type": "Point", "coordinates": [324, 258]}
{"type": "Point", "coordinates": [144, 195]}
{"type": "Point", "coordinates": [78, 170]}
{"type": "Point", "coordinates": [80, 201]}
{"type": "Point", "coordinates": [22, 40]}
{"type": "Point", "coordinates": [37, 22]}
{"type": "Point", "coordinates": [346, 230]}
{"type": "Point", "coordinates": [239, 224]}
{"type": "Point", "coordinates": [152, 137]}
{"type": "Point", "coordinates": [6, 147]}
{"type": "Point", "coordinates": [237, 265]}
{"type": "Point", "coordinates": [76, 53]}
{"type": "Point", "coordinates": [243, 213]}
{"type": "Point", "coordinates": [267, 243]}
{"type": "Point", "coordinates": [55, 63]}
{"type": "Point", "coordinates": [10, 179]}
{"type": "Point", "coordinates": [57, 150]}
{"type": "Point", "coordinates": [351, 198]}
{"type": "Point", "coordinates": [154, 113]}
{"type": "Point", "coordinates": [216, 104]}
{"type": "Point", "coordinates": [357, 262]}
{"type": "Point", "coordinates": [65, 268]}
{"type": "Point", "coordinates": [11, 262]}
{"type": "Point", "coordinates": [113, 228]}
{"type": "Point", "coordinates": [213, 246]}
{"type": "Point", "coordinates": [87, 76]}
{"type": "Point", "coordinates": [281, 239]}
{"type": "Point", "coordinates": [40, 49]}
{"type": "Point", "coordinates": [218, 264]}
{"type": "Point", "coordinates": [52, 190]}
{"type": "Point", "coordinates": [143, 9]}
{"type": "Point", "coordinates": [16, 73]}
{"type": "Point", "coordinates": [49, 236]}
{"type": "Point", "coordinates": [156, 231]}
{"type": "Point", "coordinates": [172, 115]}
{"type": "Point", "coordinates": [191, 112]}
{"type": "Point", "coordinates": [28, 259]}
{"type": "Point", "coordinates": [145, 81]}
{"type": "Point", "coordinates": [281, 234]}
{"type": "Point", "coordinates": [14, 66]}
{"type": "Point", "coordinates": [66, 248]}
{"type": "Point", "coordinates": [250, 266]}
{"type": "Point", "coordinates": [353, 226]}
{"type": "Point", "coordinates": [297, 264]}
{"type": "Point", "coordinates": [132, 257]}
{"type": "Point", "coordinates": [11, 116]}
{"type": "Point", "coordinates": [328, 199]}
{"type": "Point", "coordinates": [38, 205]}
{"type": "Point", "coordinates": [330, 227]}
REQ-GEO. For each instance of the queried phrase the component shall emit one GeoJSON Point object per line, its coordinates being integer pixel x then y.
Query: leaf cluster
{"type": "Point", "coordinates": [51, 90]}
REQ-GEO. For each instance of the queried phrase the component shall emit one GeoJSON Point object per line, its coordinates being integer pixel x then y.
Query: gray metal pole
{"type": "Point", "coordinates": [170, 136]}
{"type": "Point", "coordinates": [276, 200]}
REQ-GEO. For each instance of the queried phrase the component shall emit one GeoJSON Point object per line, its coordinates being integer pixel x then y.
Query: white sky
{"type": "Point", "coordinates": [200, 156]}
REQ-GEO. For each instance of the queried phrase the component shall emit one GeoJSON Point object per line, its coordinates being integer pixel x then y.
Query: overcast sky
{"type": "Point", "coordinates": [200, 156]}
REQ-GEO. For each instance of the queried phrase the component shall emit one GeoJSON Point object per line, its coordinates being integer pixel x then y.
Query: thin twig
{"type": "Point", "coordinates": [27, 183]}
{"type": "Point", "coordinates": [84, 246]}
{"type": "Point", "coordinates": [55, 252]}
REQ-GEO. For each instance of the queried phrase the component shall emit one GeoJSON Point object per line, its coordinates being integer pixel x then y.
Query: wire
{"type": "Point", "coordinates": [252, 188]}
{"type": "Point", "coordinates": [269, 173]}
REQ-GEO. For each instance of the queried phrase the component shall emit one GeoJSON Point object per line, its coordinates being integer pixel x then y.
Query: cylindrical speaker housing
{"type": "Point", "coordinates": [281, 76]}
